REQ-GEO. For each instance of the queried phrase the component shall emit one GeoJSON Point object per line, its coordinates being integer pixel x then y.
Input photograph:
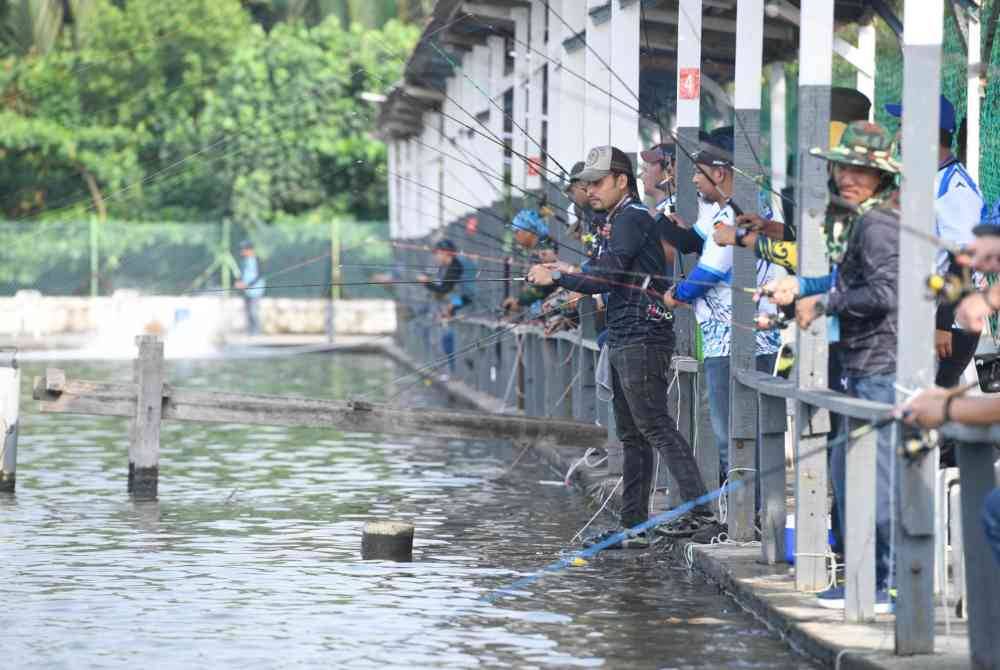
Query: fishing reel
{"type": "Point", "coordinates": [916, 447]}
{"type": "Point", "coordinates": [948, 288]}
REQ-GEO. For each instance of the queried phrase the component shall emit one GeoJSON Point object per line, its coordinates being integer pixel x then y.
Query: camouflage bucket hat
{"type": "Point", "coordinates": [864, 144]}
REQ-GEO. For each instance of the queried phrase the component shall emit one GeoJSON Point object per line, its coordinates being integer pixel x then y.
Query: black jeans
{"type": "Point", "coordinates": [640, 377]}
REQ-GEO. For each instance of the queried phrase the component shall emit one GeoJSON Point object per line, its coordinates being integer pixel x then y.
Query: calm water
{"type": "Point", "coordinates": [251, 557]}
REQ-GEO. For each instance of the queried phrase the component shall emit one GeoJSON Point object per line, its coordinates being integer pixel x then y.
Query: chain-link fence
{"type": "Point", "coordinates": [80, 258]}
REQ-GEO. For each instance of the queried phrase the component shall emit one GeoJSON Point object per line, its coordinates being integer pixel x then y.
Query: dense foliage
{"type": "Point", "coordinates": [191, 110]}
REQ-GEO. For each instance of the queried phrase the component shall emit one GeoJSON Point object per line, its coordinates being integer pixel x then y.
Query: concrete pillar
{"type": "Point", "coordinates": [866, 52]}
{"type": "Point", "coordinates": [522, 143]}
{"type": "Point", "coordinates": [779, 137]}
{"type": "Point", "coordinates": [923, 35]}
{"type": "Point", "coordinates": [815, 73]}
{"type": "Point", "coordinates": [535, 85]}
{"type": "Point", "coordinates": [624, 60]}
{"type": "Point", "coordinates": [597, 109]}
{"type": "Point", "coordinates": [743, 400]}
{"type": "Point", "coordinates": [688, 123]}
{"type": "Point", "coordinates": [144, 447]}
{"type": "Point", "coordinates": [973, 98]}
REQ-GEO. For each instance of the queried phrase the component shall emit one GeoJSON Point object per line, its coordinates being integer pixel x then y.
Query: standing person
{"type": "Point", "coordinates": [640, 342]}
{"type": "Point", "coordinates": [251, 282]}
{"type": "Point", "coordinates": [708, 290]}
{"type": "Point", "coordinates": [448, 287]}
{"type": "Point", "coordinates": [958, 209]}
{"type": "Point", "coordinates": [862, 238]}
{"type": "Point", "coordinates": [658, 172]}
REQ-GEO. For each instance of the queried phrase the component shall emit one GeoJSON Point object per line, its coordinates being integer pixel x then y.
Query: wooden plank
{"type": "Point", "coordinates": [773, 425]}
{"type": "Point", "coordinates": [975, 463]}
{"type": "Point", "coordinates": [144, 446]}
{"type": "Point", "coordinates": [859, 527]}
{"type": "Point", "coordinates": [103, 399]}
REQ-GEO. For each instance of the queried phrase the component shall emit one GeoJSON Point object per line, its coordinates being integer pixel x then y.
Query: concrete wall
{"type": "Point", "coordinates": [33, 315]}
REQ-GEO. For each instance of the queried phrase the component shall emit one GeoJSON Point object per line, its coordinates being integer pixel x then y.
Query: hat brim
{"type": "Point", "coordinates": [986, 229]}
{"type": "Point", "coordinates": [591, 174]}
{"type": "Point", "coordinates": [848, 159]}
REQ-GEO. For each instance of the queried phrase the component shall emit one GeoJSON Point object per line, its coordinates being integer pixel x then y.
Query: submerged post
{"type": "Point", "coordinates": [10, 391]}
{"type": "Point", "coordinates": [144, 447]}
{"type": "Point", "coordinates": [387, 541]}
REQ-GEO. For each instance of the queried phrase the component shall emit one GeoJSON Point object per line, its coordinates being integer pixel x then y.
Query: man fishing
{"type": "Point", "coordinates": [862, 237]}
{"type": "Point", "coordinates": [640, 341]}
{"type": "Point", "coordinates": [252, 284]}
{"type": "Point", "coordinates": [447, 288]}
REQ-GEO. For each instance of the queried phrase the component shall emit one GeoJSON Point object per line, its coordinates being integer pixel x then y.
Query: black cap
{"type": "Point", "coordinates": [246, 244]}
{"type": "Point", "coordinates": [445, 245]}
{"type": "Point", "coordinates": [713, 155]}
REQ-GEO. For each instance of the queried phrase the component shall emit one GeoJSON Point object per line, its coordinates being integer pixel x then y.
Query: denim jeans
{"type": "Point", "coordinates": [878, 388]}
{"type": "Point", "coordinates": [640, 377]}
{"type": "Point", "coordinates": [252, 307]}
{"type": "Point", "coordinates": [717, 378]}
{"type": "Point", "coordinates": [991, 522]}
{"type": "Point", "coordinates": [448, 347]}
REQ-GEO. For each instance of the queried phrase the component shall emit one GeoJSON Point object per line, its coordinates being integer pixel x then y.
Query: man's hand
{"type": "Point", "coordinates": [423, 279]}
{"type": "Point", "coordinates": [670, 301]}
{"type": "Point", "coordinates": [806, 311]}
{"type": "Point", "coordinates": [926, 409]}
{"type": "Point", "coordinates": [781, 292]}
{"type": "Point", "coordinates": [751, 221]}
{"type": "Point", "coordinates": [942, 344]}
{"type": "Point", "coordinates": [540, 275]}
{"type": "Point", "coordinates": [381, 278]}
{"type": "Point", "coordinates": [973, 312]}
{"type": "Point", "coordinates": [985, 253]}
{"type": "Point", "coordinates": [510, 304]}
{"type": "Point", "coordinates": [724, 236]}
{"type": "Point", "coordinates": [563, 266]}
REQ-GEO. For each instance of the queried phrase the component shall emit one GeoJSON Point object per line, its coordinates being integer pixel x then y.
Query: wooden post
{"type": "Point", "coordinates": [144, 450]}
{"type": "Point", "coordinates": [387, 541]}
{"type": "Point", "coordinates": [706, 451]}
{"type": "Point", "coordinates": [815, 75]}
{"type": "Point", "coordinates": [773, 425]}
{"type": "Point", "coordinates": [859, 528]}
{"type": "Point", "coordinates": [10, 394]}
{"type": "Point", "coordinates": [923, 35]}
{"type": "Point", "coordinates": [975, 462]}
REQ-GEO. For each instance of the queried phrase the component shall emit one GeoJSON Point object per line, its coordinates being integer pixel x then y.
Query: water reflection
{"type": "Point", "coordinates": [251, 556]}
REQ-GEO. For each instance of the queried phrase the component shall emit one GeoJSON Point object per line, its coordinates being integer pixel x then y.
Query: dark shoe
{"type": "Point", "coordinates": [832, 598]}
{"type": "Point", "coordinates": [602, 537]}
{"type": "Point", "coordinates": [682, 527]}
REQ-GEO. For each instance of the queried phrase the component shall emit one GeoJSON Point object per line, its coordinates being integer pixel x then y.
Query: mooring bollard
{"type": "Point", "coordinates": [387, 541]}
{"type": "Point", "coordinates": [10, 393]}
{"type": "Point", "coordinates": [144, 446]}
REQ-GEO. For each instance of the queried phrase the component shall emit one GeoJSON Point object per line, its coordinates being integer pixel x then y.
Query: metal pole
{"type": "Point", "coordinates": [10, 394]}
{"type": "Point", "coordinates": [95, 257]}
{"type": "Point", "coordinates": [923, 35]}
{"type": "Point", "coordinates": [779, 137]}
{"type": "Point", "coordinates": [973, 99]}
{"type": "Point", "coordinates": [335, 275]}
{"type": "Point", "coordinates": [743, 400]}
{"type": "Point", "coordinates": [867, 49]}
{"type": "Point", "coordinates": [815, 73]}
{"type": "Point", "coordinates": [224, 269]}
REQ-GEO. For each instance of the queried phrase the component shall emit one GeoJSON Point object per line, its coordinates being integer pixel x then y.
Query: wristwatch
{"type": "Point", "coordinates": [556, 276]}
{"type": "Point", "coordinates": [741, 234]}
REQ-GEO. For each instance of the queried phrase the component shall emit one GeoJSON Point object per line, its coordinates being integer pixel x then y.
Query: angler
{"type": "Point", "coordinates": [640, 345]}
{"type": "Point", "coordinates": [862, 232]}
{"type": "Point", "coordinates": [449, 287]}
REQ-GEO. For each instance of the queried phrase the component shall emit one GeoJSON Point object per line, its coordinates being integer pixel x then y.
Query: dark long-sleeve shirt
{"type": "Point", "coordinates": [865, 295]}
{"type": "Point", "coordinates": [447, 282]}
{"type": "Point", "coordinates": [633, 315]}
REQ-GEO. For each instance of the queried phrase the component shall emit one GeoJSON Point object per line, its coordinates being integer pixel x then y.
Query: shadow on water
{"type": "Point", "coordinates": [251, 556]}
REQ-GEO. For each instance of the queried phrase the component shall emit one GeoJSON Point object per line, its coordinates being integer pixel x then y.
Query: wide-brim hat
{"type": "Point", "coordinates": [863, 144]}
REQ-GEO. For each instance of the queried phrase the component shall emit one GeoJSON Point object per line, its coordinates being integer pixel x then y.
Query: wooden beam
{"type": "Point", "coordinates": [107, 399]}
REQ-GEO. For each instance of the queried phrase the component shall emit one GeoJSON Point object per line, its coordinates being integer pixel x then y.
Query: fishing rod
{"type": "Point", "coordinates": [392, 282]}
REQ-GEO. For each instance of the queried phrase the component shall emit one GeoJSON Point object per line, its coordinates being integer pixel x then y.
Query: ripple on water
{"type": "Point", "coordinates": [250, 558]}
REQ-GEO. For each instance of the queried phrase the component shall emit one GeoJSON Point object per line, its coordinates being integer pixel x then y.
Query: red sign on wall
{"type": "Point", "coordinates": [471, 225]}
{"type": "Point", "coordinates": [534, 166]}
{"type": "Point", "coordinates": [689, 87]}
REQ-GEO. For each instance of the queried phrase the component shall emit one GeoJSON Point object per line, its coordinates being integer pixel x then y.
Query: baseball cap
{"type": "Point", "coordinates": [658, 153]}
{"type": "Point", "coordinates": [530, 221]}
{"type": "Point", "coordinates": [709, 154]}
{"type": "Point", "coordinates": [574, 175]}
{"type": "Point", "coordinates": [445, 245]}
{"type": "Point", "coordinates": [947, 121]}
{"type": "Point", "coordinates": [602, 161]}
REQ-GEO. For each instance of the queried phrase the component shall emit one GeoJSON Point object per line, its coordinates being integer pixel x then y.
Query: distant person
{"type": "Point", "coordinates": [251, 282]}
{"type": "Point", "coordinates": [448, 287]}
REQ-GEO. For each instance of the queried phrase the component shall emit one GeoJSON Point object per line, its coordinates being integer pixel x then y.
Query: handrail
{"type": "Point", "coordinates": [855, 408]}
